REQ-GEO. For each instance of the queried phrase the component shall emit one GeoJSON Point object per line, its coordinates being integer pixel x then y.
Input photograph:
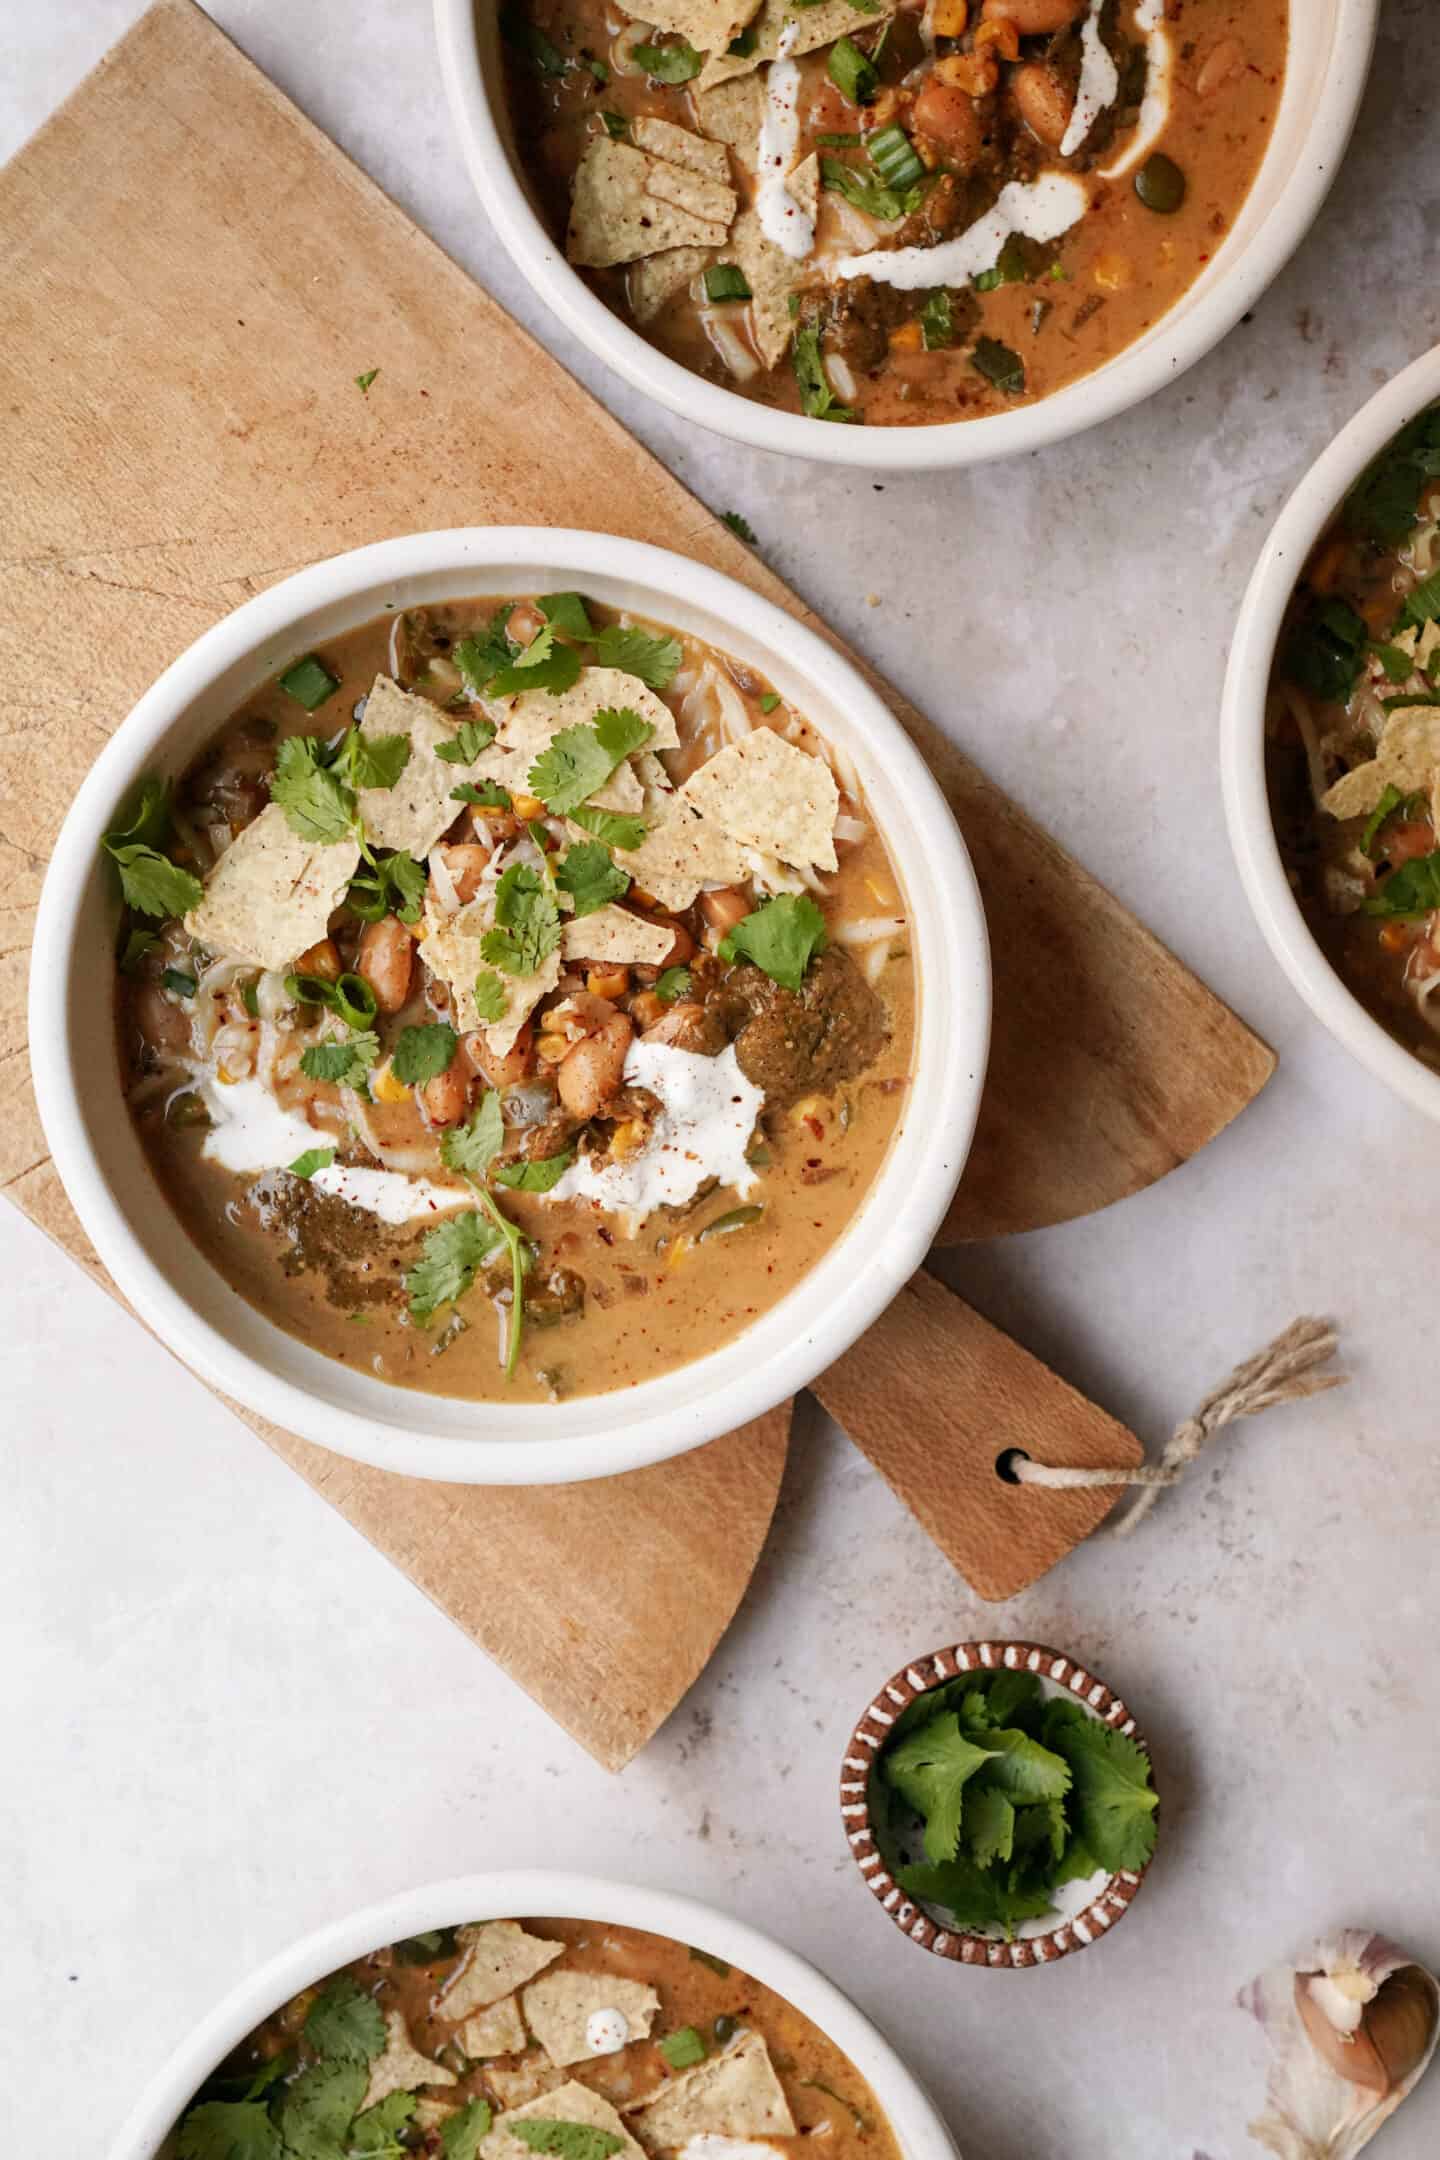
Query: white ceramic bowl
{"type": "Point", "coordinates": [1330, 49]}
{"type": "Point", "coordinates": [1242, 731]}
{"type": "Point", "coordinates": [539, 1895]}
{"type": "Point", "coordinates": [181, 1295]}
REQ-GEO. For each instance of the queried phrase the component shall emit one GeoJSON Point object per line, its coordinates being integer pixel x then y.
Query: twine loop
{"type": "Point", "coordinates": [1286, 1371]}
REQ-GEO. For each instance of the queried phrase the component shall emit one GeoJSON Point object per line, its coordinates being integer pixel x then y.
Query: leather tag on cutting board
{"type": "Point", "coordinates": [934, 1396]}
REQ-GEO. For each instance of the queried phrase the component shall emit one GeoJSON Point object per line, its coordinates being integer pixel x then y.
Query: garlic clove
{"type": "Point", "coordinates": [1348, 2049]}
{"type": "Point", "coordinates": [1401, 2022]}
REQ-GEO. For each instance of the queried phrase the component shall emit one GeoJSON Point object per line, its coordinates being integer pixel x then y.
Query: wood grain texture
{"type": "Point", "coordinates": [194, 277]}
{"type": "Point", "coordinates": [932, 1395]}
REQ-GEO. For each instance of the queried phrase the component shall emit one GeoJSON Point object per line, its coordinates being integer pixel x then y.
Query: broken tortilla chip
{"type": "Point", "coordinates": [681, 146]}
{"type": "Point", "coordinates": [613, 935]}
{"type": "Point", "coordinates": [765, 793]}
{"type": "Point", "coordinates": [627, 203]}
{"type": "Point", "coordinates": [401, 2067]}
{"type": "Point", "coordinates": [559, 2008]}
{"type": "Point", "coordinates": [528, 2079]}
{"type": "Point", "coordinates": [414, 813]}
{"type": "Point", "coordinates": [500, 2030]}
{"type": "Point", "coordinates": [733, 113]}
{"type": "Point", "coordinates": [572, 2103]}
{"type": "Point", "coordinates": [773, 277]}
{"type": "Point", "coordinates": [680, 853]}
{"type": "Point", "coordinates": [451, 949]}
{"type": "Point", "coordinates": [734, 2095]}
{"type": "Point", "coordinates": [1408, 758]}
{"type": "Point", "coordinates": [708, 25]}
{"type": "Point", "coordinates": [499, 1958]}
{"type": "Point", "coordinates": [653, 281]}
{"type": "Point", "coordinates": [815, 26]}
{"type": "Point", "coordinates": [271, 895]}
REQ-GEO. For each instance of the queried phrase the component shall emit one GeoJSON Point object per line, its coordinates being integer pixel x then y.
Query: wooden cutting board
{"type": "Point", "coordinates": [194, 277]}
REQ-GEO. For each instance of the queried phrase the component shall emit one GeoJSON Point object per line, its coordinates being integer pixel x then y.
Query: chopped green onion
{"type": "Point", "coordinates": [617, 127]}
{"type": "Point", "coordinates": [183, 986]}
{"type": "Point", "coordinates": [309, 682]}
{"type": "Point", "coordinates": [853, 72]}
{"type": "Point", "coordinates": [770, 700]}
{"type": "Point", "coordinates": [937, 322]}
{"type": "Point", "coordinates": [250, 999]}
{"type": "Point", "coordinates": [683, 2049]}
{"type": "Point", "coordinates": [737, 1219]}
{"type": "Point", "coordinates": [355, 1001]}
{"type": "Point", "coordinates": [817, 399]}
{"type": "Point", "coordinates": [313, 1159]}
{"type": "Point", "coordinates": [724, 281]}
{"type": "Point", "coordinates": [893, 155]}
{"type": "Point", "coordinates": [677, 63]}
{"type": "Point", "coordinates": [310, 989]}
{"type": "Point", "coordinates": [839, 142]}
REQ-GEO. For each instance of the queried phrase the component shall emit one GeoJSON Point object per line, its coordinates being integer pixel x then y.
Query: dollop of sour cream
{"type": "Point", "coordinates": [250, 1132]}
{"type": "Point", "coordinates": [783, 222]}
{"type": "Point", "coordinates": [1099, 82]}
{"type": "Point", "coordinates": [1040, 209]}
{"type": "Point", "coordinates": [1155, 105]}
{"type": "Point", "coordinates": [606, 2031]}
{"type": "Point", "coordinates": [704, 1126]}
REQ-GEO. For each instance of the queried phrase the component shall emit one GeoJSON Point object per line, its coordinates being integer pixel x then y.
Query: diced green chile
{"type": "Point", "coordinates": [738, 1219]}
{"type": "Point", "coordinates": [309, 682]}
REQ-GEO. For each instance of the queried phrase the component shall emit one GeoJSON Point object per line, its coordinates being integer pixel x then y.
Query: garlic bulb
{"type": "Point", "coordinates": [1352, 2026]}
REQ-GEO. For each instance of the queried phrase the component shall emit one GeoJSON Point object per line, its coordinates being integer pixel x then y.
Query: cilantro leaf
{"type": "Point", "coordinates": [344, 1064]}
{"type": "Point", "coordinates": [674, 983]}
{"type": "Point", "coordinates": [580, 759]}
{"type": "Point", "coordinates": [527, 923]}
{"type": "Point", "coordinates": [450, 1257]}
{"type": "Point", "coordinates": [1006, 1694]}
{"type": "Point", "coordinates": [965, 1890]}
{"type": "Point", "coordinates": [616, 828]}
{"type": "Point", "coordinates": [931, 1770]}
{"type": "Point", "coordinates": [656, 660]}
{"type": "Point", "coordinates": [1410, 891]}
{"type": "Point", "coordinates": [344, 2024]}
{"type": "Point", "coordinates": [999, 365]}
{"type": "Point", "coordinates": [228, 2130]}
{"type": "Point", "coordinates": [1422, 602]}
{"type": "Point", "coordinates": [674, 63]}
{"type": "Point", "coordinates": [422, 1053]}
{"type": "Point", "coordinates": [1023, 1769]}
{"type": "Point", "coordinates": [137, 944]}
{"type": "Point", "coordinates": [590, 877]}
{"type": "Point", "coordinates": [319, 2107]}
{"type": "Point", "coordinates": [534, 1176]}
{"type": "Point", "coordinates": [566, 2140]}
{"type": "Point", "coordinates": [375, 761]}
{"type": "Point", "coordinates": [1385, 500]}
{"type": "Point", "coordinates": [489, 994]}
{"type": "Point", "coordinates": [1390, 800]}
{"type": "Point", "coordinates": [388, 884]}
{"type": "Point", "coordinates": [481, 657]}
{"type": "Point", "coordinates": [151, 883]}
{"type": "Point", "coordinates": [460, 2134]}
{"type": "Point", "coordinates": [781, 936]}
{"type": "Point", "coordinates": [683, 2049]}
{"type": "Point", "coordinates": [466, 744]}
{"type": "Point", "coordinates": [1113, 1804]}
{"type": "Point", "coordinates": [145, 818]}
{"type": "Point", "coordinates": [373, 2134]}
{"type": "Point", "coordinates": [567, 612]}
{"type": "Point", "coordinates": [1041, 1823]}
{"type": "Point", "coordinates": [472, 1148]}
{"type": "Point", "coordinates": [817, 400]}
{"type": "Point", "coordinates": [1325, 651]}
{"type": "Point", "coordinates": [1397, 663]}
{"type": "Point", "coordinates": [544, 665]}
{"type": "Point", "coordinates": [740, 526]}
{"type": "Point", "coordinates": [987, 1823]}
{"type": "Point", "coordinates": [313, 1159]}
{"type": "Point", "coordinates": [317, 803]}
{"type": "Point", "coordinates": [485, 795]}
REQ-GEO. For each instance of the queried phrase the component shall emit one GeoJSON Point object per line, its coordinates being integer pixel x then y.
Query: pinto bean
{"type": "Point", "coordinates": [683, 948]}
{"type": "Point", "coordinates": [947, 115]}
{"type": "Point", "coordinates": [1033, 18]}
{"type": "Point", "coordinates": [724, 908]}
{"type": "Point", "coordinates": [689, 1026]}
{"type": "Point", "coordinates": [502, 1072]}
{"type": "Point", "coordinates": [466, 864]}
{"type": "Point", "coordinates": [1043, 101]}
{"type": "Point", "coordinates": [446, 1098]}
{"type": "Point", "coordinates": [384, 959]}
{"type": "Point", "coordinates": [590, 1074]}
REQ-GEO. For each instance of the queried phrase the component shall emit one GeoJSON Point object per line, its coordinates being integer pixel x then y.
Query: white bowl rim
{"type": "Point", "coordinates": [1135, 373]}
{"type": "Point", "coordinates": [538, 1894]}
{"type": "Point", "coordinates": [634, 1431]}
{"type": "Point", "coordinates": [1242, 731]}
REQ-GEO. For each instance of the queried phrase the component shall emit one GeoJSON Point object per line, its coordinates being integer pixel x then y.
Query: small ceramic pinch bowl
{"type": "Point", "coordinates": [1087, 1910]}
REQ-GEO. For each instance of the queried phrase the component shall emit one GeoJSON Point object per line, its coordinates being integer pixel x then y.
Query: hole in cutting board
{"type": "Point", "coordinates": [1005, 1463]}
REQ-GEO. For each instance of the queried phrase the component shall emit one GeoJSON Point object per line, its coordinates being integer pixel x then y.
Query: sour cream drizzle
{"type": "Point", "coordinates": [251, 1132]}
{"type": "Point", "coordinates": [1155, 105]}
{"type": "Point", "coordinates": [1099, 82]}
{"type": "Point", "coordinates": [783, 222]}
{"type": "Point", "coordinates": [1041, 209]}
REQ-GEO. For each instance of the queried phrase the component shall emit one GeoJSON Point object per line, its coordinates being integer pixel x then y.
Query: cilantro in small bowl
{"type": "Point", "coordinates": [999, 1801]}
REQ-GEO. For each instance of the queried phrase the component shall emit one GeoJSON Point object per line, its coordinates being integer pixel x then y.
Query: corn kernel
{"type": "Point", "coordinates": [528, 806]}
{"type": "Point", "coordinates": [385, 1087]}
{"type": "Point", "coordinates": [907, 338]}
{"type": "Point", "coordinates": [1113, 272]}
{"type": "Point", "coordinates": [608, 982]}
{"type": "Point", "coordinates": [950, 17]}
{"type": "Point", "coordinates": [551, 1049]}
{"type": "Point", "coordinates": [628, 1138]}
{"type": "Point", "coordinates": [1394, 937]}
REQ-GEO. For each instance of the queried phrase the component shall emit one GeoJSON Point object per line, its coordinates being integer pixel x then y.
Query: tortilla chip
{"type": "Point", "coordinates": [736, 2095]}
{"type": "Point", "coordinates": [819, 25]}
{"type": "Point", "coordinates": [628, 203]}
{"type": "Point", "coordinates": [401, 2068]}
{"type": "Point", "coordinates": [559, 2008]}
{"type": "Point", "coordinates": [733, 112]}
{"type": "Point", "coordinates": [271, 895]}
{"type": "Point", "coordinates": [415, 812]}
{"type": "Point", "coordinates": [499, 1958]}
{"type": "Point", "coordinates": [451, 950]}
{"type": "Point", "coordinates": [500, 2030]}
{"type": "Point", "coordinates": [708, 25]}
{"type": "Point", "coordinates": [654, 281]}
{"type": "Point", "coordinates": [571, 2102]}
{"type": "Point", "coordinates": [680, 853]}
{"type": "Point", "coordinates": [614, 935]}
{"type": "Point", "coordinates": [512, 2088]}
{"type": "Point", "coordinates": [767, 794]}
{"type": "Point", "coordinates": [772, 276]}
{"type": "Point", "coordinates": [1429, 643]}
{"type": "Point", "coordinates": [1408, 758]}
{"type": "Point", "coordinates": [681, 146]}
